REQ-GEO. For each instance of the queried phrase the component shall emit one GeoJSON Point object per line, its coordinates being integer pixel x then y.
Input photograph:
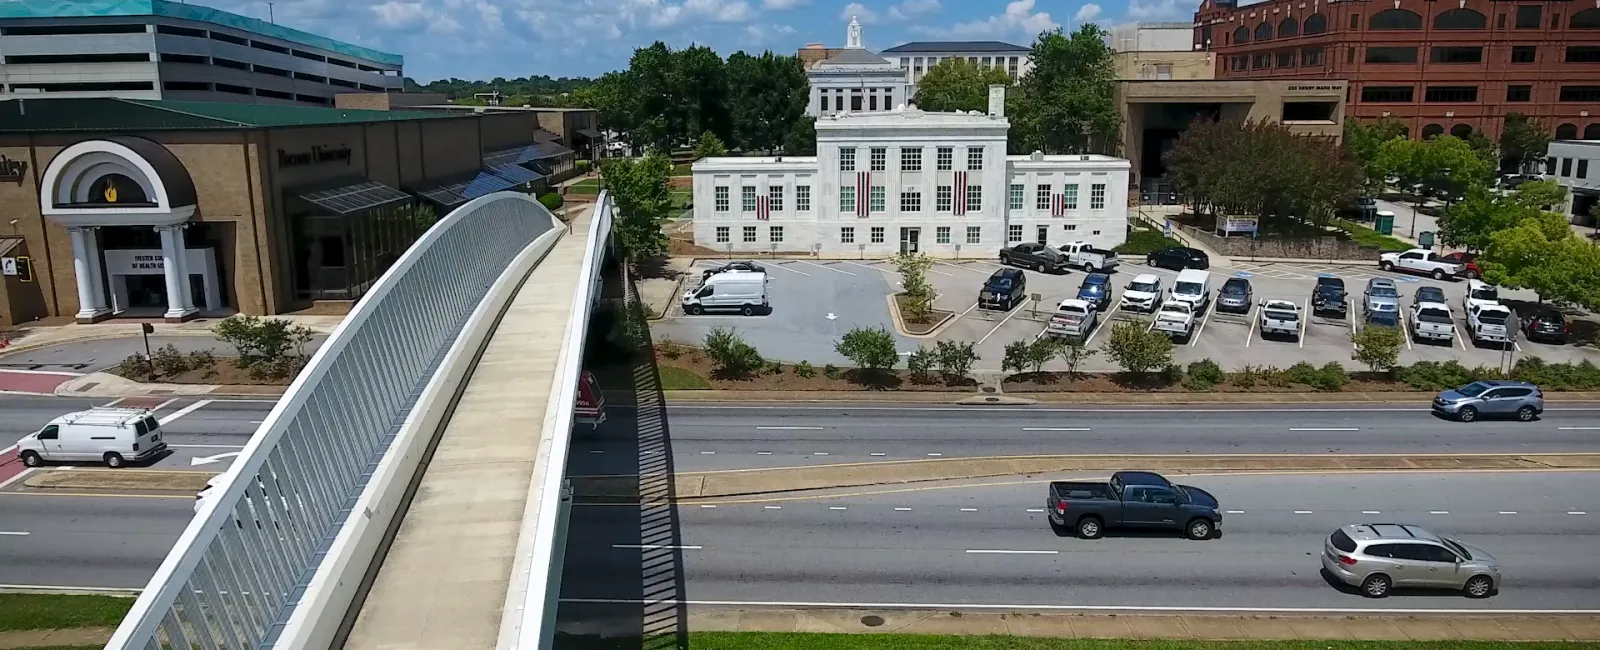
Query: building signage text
{"type": "Point", "coordinates": [12, 170]}
{"type": "Point", "coordinates": [317, 155]}
{"type": "Point", "coordinates": [1311, 88]}
{"type": "Point", "coordinates": [147, 263]}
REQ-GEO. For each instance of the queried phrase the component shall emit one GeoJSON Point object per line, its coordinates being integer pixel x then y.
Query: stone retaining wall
{"type": "Point", "coordinates": [1318, 248]}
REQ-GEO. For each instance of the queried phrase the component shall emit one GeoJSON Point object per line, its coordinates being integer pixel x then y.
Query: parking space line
{"type": "Point", "coordinates": [791, 270]}
{"type": "Point", "coordinates": [1406, 331]}
{"type": "Point", "coordinates": [1099, 325]}
{"type": "Point", "coordinates": [1351, 315]}
{"type": "Point", "coordinates": [963, 267]}
{"type": "Point", "coordinates": [1195, 337]}
{"type": "Point", "coordinates": [1455, 338]}
{"type": "Point", "coordinates": [1255, 319]}
{"type": "Point", "coordinates": [1003, 321]}
{"type": "Point", "coordinates": [868, 266]}
{"type": "Point", "coordinates": [1305, 308]}
{"type": "Point", "coordinates": [824, 266]}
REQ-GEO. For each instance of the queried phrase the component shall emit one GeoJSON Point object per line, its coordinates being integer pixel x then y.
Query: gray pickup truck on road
{"type": "Point", "coordinates": [1132, 500]}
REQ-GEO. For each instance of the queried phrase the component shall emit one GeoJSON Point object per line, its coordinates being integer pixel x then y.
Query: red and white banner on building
{"type": "Point", "coordinates": [1058, 205]}
{"type": "Point", "coordinates": [959, 187]}
{"type": "Point", "coordinates": [863, 187]}
{"type": "Point", "coordinates": [763, 208]}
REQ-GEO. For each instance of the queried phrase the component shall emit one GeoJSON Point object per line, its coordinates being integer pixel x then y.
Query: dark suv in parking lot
{"type": "Point", "coordinates": [1328, 297]}
{"type": "Point", "coordinates": [1003, 290]}
{"type": "Point", "coordinates": [1545, 323]}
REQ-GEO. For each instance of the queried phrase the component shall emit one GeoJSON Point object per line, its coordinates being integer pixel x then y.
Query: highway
{"type": "Point", "coordinates": [720, 437]}
{"type": "Point", "coordinates": [992, 546]}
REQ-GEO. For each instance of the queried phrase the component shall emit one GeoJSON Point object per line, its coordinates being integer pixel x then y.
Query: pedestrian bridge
{"type": "Point", "coordinates": [408, 490]}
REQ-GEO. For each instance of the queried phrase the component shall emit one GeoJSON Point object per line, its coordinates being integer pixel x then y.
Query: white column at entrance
{"type": "Point", "coordinates": [187, 300]}
{"type": "Point", "coordinates": [172, 267]}
{"type": "Point", "coordinates": [96, 275]}
{"type": "Point", "coordinates": [91, 302]}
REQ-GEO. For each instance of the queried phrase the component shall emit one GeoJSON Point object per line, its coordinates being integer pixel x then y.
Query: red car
{"type": "Point", "coordinates": [1469, 268]}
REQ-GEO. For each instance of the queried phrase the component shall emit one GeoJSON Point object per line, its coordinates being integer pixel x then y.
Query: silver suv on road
{"type": "Point", "coordinates": [1491, 398]}
{"type": "Point", "coordinates": [1379, 557]}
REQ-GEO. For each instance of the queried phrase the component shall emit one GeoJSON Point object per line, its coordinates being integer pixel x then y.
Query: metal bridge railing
{"type": "Point", "coordinates": [241, 565]}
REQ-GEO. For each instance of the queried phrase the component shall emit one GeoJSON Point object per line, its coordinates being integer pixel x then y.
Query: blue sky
{"type": "Point", "coordinates": [482, 39]}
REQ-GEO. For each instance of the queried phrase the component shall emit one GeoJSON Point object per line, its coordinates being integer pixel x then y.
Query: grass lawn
{"type": "Point", "coordinates": [585, 186]}
{"type": "Point", "coordinates": [1144, 242]}
{"type": "Point", "coordinates": [1368, 237]}
{"type": "Point", "coordinates": [812, 641]}
{"type": "Point", "coordinates": [680, 379]}
{"type": "Point", "coordinates": [54, 611]}
{"type": "Point", "coordinates": [681, 169]}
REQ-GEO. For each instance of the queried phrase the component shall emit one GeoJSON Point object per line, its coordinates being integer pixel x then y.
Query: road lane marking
{"type": "Point", "coordinates": [879, 453]}
{"type": "Point", "coordinates": [836, 507]}
{"type": "Point", "coordinates": [20, 475]}
{"type": "Point", "coordinates": [708, 453]}
{"type": "Point", "coordinates": [183, 411]}
{"type": "Point", "coordinates": [657, 547]}
{"type": "Point", "coordinates": [996, 551]}
{"type": "Point", "coordinates": [1407, 332]}
{"type": "Point", "coordinates": [825, 266]}
{"type": "Point", "coordinates": [14, 533]}
{"type": "Point", "coordinates": [1302, 512]}
{"type": "Point", "coordinates": [1100, 324]}
{"type": "Point", "coordinates": [1579, 429]}
{"type": "Point", "coordinates": [1438, 512]}
{"type": "Point", "coordinates": [902, 510]}
{"type": "Point", "coordinates": [969, 509]}
{"type": "Point", "coordinates": [820, 453]}
{"type": "Point", "coordinates": [1325, 428]}
{"type": "Point", "coordinates": [708, 505]}
{"type": "Point", "coordinates": [596, 451]}
{"type": "Point", "coordinates": [1370, 512]}
{"type": "Point", "coordinates": [963, 267]}
{"type": "Point", "coordinates": [206, 446]}
{"type": "Point", "coordinates": [1577, 512]}
{"type": "Point", "coordinates": [1508, 512]}
{"type": "Point", "coordinates": [1055, 428]}
{"type": "Point", "coordinates": [772, 507]}
{"type": "Point", "coordinates": [763, 453]}
{"type": "Point", "coordinates": [935, 454]}
{"type": "Point", "coordinates": [789, 428]}
{"type": "Point", "coordinates": [1035, 509]}
{"type": "Point", "coordinates": [1086, 608]}
{"type": "Point", "coordinates": [1235, 512]}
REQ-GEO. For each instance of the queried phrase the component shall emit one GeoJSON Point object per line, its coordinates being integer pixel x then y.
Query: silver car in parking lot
{"type": "Point", "coordinates": [1379, 557]}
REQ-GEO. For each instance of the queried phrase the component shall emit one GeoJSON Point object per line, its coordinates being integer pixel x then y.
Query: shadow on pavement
{"type": "Point", "coordinates": [622, 580]}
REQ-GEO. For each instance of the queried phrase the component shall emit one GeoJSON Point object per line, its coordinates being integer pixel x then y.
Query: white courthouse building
{"type": "Point", "coordinates": [909, 181]}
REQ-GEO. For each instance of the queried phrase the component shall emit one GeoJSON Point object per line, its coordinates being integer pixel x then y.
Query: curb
{"type": "Point", "coordinates": [900, 325]}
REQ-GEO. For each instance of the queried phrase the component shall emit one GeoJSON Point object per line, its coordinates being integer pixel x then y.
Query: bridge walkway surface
{"type": "Point", "coordinates": [444, 581]}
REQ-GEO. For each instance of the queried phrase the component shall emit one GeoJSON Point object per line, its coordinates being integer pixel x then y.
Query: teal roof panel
{"type": "Point", "coordinates": [109, 8]}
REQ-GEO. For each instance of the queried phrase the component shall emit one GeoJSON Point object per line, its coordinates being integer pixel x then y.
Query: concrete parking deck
{"type": "Point", "coordinates": [443, 583]}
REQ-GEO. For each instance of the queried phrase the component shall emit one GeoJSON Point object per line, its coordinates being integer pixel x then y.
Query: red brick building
{"type": "Point", "coordinates": [1439, 66]}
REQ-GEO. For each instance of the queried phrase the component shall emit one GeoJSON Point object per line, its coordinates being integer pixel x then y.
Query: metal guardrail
{"type": "Point", "coordinates": [240, 567]}
{"type": "Point", "coordinates": [531, 601]}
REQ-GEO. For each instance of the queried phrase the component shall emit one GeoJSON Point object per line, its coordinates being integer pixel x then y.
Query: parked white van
{"type": "Point", "coordinates": [1193, 287]}
{"type": "Point", "coordinates": [744, 292]}
{"type": "Point", "coordinates": [114, 436]}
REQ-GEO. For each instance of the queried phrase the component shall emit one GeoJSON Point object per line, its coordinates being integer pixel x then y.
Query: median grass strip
{"type": "Point", "coordinates": [680, 379]}
{"type": "Point", "coordinates": [817, 641]}
{"type": "Point", "coordinates": [60, 611]}
{"type": "Point", "coordinates": [1368, 237]}
{"type": "Point", "coordinates": [120, 479]}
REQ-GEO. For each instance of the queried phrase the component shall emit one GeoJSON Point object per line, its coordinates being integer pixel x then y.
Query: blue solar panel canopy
{"type": "Point", "coordinates": [503, 157]}
{"type": "Point", "coordinates": [454, 194]}
{"type": "Point", "coordinates": [516, 173]}
{"type": "Point", "coordinates": [543, 150]}
{"type": "Point", "coordinates": [356, 197]}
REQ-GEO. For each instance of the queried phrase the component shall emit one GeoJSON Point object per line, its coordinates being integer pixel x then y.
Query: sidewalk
{"type": "Point", "coordinates": [1182, 627]}
{"type": "Point", "coordinates": [32, 338]}
{"type": "Point", "coordinates": [82, 636]}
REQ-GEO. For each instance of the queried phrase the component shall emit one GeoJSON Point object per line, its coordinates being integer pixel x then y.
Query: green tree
{"type": "Point", "coordinates": [1074, 354]}
{"type": "Point", "coordinates": [262, 340]}
{"type": "Point", "coordinates": [1542, 254]}
{"type": "Point", "coordinates": [1524, 140]}
{"type": "Point", "coordinates": [639, 188]}
{"type": "Point", "coordinates": [767, 95]}
{"type": "Point", "coordinates": [1137, 349]}
{"type": "Point", "coordinates": [1017, 357]}
{"type": "Point", "coordinates": [1261, 168]}
{"type": "Point", "coordinates": [709, 146]}
{"type": "Point", "coordinates": [658, 115]}
{"type": "Point", "coordinates": [955, 359]}
{"type": "Point", "coordinates": [958, 85]}
{"type": "Point", "coordinates": [731, 353]}
{"type": "Point", "coordinates": [700, 82]}
{"type": "Point", "coordinates": [1068, 102]}
{"type": "Point", "coordinates": [920, 362]}
{"type": "Point", "coordinates": [919, 293]}
{"type": "Point", "coordinates": [1364, 138]}
{"type": "Point", "coordinates": [1378, 347]}
{"type": "Point", "coordinates": [802, 137]}
{"type": "Point", "coordinates": [1471, 222]}
{"type": "Point", "coordinates": [871, 349]}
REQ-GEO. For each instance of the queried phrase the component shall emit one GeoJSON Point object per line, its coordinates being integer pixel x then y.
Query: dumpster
{"type": "Point", "coordinates": [1383, 222]}
{"type": "Point", "coordinates": [1425, 239]}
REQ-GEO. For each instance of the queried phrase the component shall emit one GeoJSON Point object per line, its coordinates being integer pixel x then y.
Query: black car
{"type": "Point", "coordinates": [1328, 297]}
{"type": "Point", "coordinates": [1428, 294]}
{"type": "Point", "coordinates": [732, 266]}
{"type": "Point", "coordinates": [1178, 258]}
{"type": "Point", "coordinates": [1003, 290]}
{"type": "Point", "coordinates": [1545, 323]}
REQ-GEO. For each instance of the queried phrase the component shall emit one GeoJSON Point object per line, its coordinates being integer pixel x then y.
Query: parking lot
{"type": "Point", "coordinates": [805, 293]}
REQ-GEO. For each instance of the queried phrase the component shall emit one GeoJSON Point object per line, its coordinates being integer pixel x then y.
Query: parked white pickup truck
{"type": "Point", "coordinates": [1073, 318]}
{"type": "Point", "coordinates": [1085, 256]}
{"type": "Point", "coordinates": [1175, 319]}
{"type": "Point", "coordinates": [1281, 317]}
{"type": "Point", "coordinates": [1432, 320]}
{"type": "Point", "coordinates": [1421, 261]}
{"type": "Point", "coordinates": [1489, 323]}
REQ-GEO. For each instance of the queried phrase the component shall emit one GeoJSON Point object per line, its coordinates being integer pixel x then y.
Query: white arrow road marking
{"type": "Point", "coordinates": [207, 460]}
{"type": "Point", "coordinates": [831, 316]}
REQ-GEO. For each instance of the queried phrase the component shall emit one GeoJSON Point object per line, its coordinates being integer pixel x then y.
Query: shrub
{"type": "Point", "coordinates": [1435, 375]}
{"type": "Point", "coordinates": [276, 369]}
{"type": "Point", "coordinates": [1247, 377]}
{"type": "Point", "coordinates": [871, 349]}
{"type": "Point", "coordinates": [805, 370]}
{"type": "Point", "coordinates": [1275, 377]}
{"type": "Point", "coordinates": [1331, 376]}
{"type": "Point", "coordinates": [1302, 373]}
{"type": "Point", "coordinates": [1583, 375]}
{"type": "Point", "coordinates": [772, 367]}
{"type": "Point", "coordinates": [168, 361]}
{"type": "Point", "coordinates": [262, 340]}
{"type": "Point", "coordinates": [920, 362]}
{"type": "Point", "coordinates": [955, 359]}
{"type": "Point", "coordinates": [1378, 347]}
{"type": "Point", "coordinates": [1204, 374]}
{"type": "Point", "coordinates": [832, 372]}
{"type": "Point", "coordinates": [918, 304]}
{"type": "Point", "coordinates": [1017, 356]}
{"type": "Point", "coordinates": [1172, 374]}
{"type": "Point", "coordinates": [203, 359]}
{"type": "Point", "coordinates": [670, 349]}
{"type": "Point", "coordinates": [551, 201]}
{"type": "Point", "coordinates": [1074, 354]}
{"type": "Point", "coordinates": [730, 352]}
{"type": "Point", "coordinates": [1041, 351]}
{"type": "Point", "coordinates": [1137, 349]}
{"type": "Point", "coordinates": [136, 367]}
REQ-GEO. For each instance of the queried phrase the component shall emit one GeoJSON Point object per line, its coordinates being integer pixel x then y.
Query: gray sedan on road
{"type": "Point", "coordinates": [1379, 557]}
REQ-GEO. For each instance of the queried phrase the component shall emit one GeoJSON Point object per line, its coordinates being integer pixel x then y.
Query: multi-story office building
{"type": "Point", "coordinates": [1159, 52]}
{"type": "Point", "coordinates": [909, 181]}
{"type": "Point", "coordinates": [1575, 164]}
{"type": "Point", "coordinates": [917, 58]}
{"type": "Point", "coordinates": [854, 79]}
{"type": "Point", "coordinates": [155, 49]}
{"type": "Point", "coordinates": [1439, 67]}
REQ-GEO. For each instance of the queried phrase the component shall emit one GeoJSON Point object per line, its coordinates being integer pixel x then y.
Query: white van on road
{"type": "Point", "coordinates": [744, 291]}
{"type": "Point", "coordinates": [114, 436]}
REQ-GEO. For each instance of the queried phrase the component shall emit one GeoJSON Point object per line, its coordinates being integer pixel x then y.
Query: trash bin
{"type": "Point", "coordinates": [1425, 239]}
{"type": "Point", "coordinates": [1384, 222]}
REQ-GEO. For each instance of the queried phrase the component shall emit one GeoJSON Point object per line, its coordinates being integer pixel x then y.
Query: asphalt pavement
{"type": "Point", "coordinates": [87, 542]}
{"type": "Point", "coordinates": [720, 437]}
{"type": "Point", "coordinates": [993, 546]}
{"type": "Point", "coordinates": [97, 355]}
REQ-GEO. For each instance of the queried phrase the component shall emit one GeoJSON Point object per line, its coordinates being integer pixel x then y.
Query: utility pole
{"type": "Point", "coordinates": [270, 18]}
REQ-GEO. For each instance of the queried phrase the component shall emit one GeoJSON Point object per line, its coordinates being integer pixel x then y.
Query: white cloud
{"type": "Point", "coordinates": [1157, 10]}
{"type": "Point", "coordinates": [758, 34]}
{"type": "Point", "coordinates": [782, 5]}
{"type": "Point", "coordinates": [1019, 21]}
{"type": "Point", "coordinates": [909, 9]}
{"type": "Point", "coordinates": [859, 12]}
{"type": "Point", "coordinates": [1086, 13]}
{"type": "Point", "coordinates": [400, 15]}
